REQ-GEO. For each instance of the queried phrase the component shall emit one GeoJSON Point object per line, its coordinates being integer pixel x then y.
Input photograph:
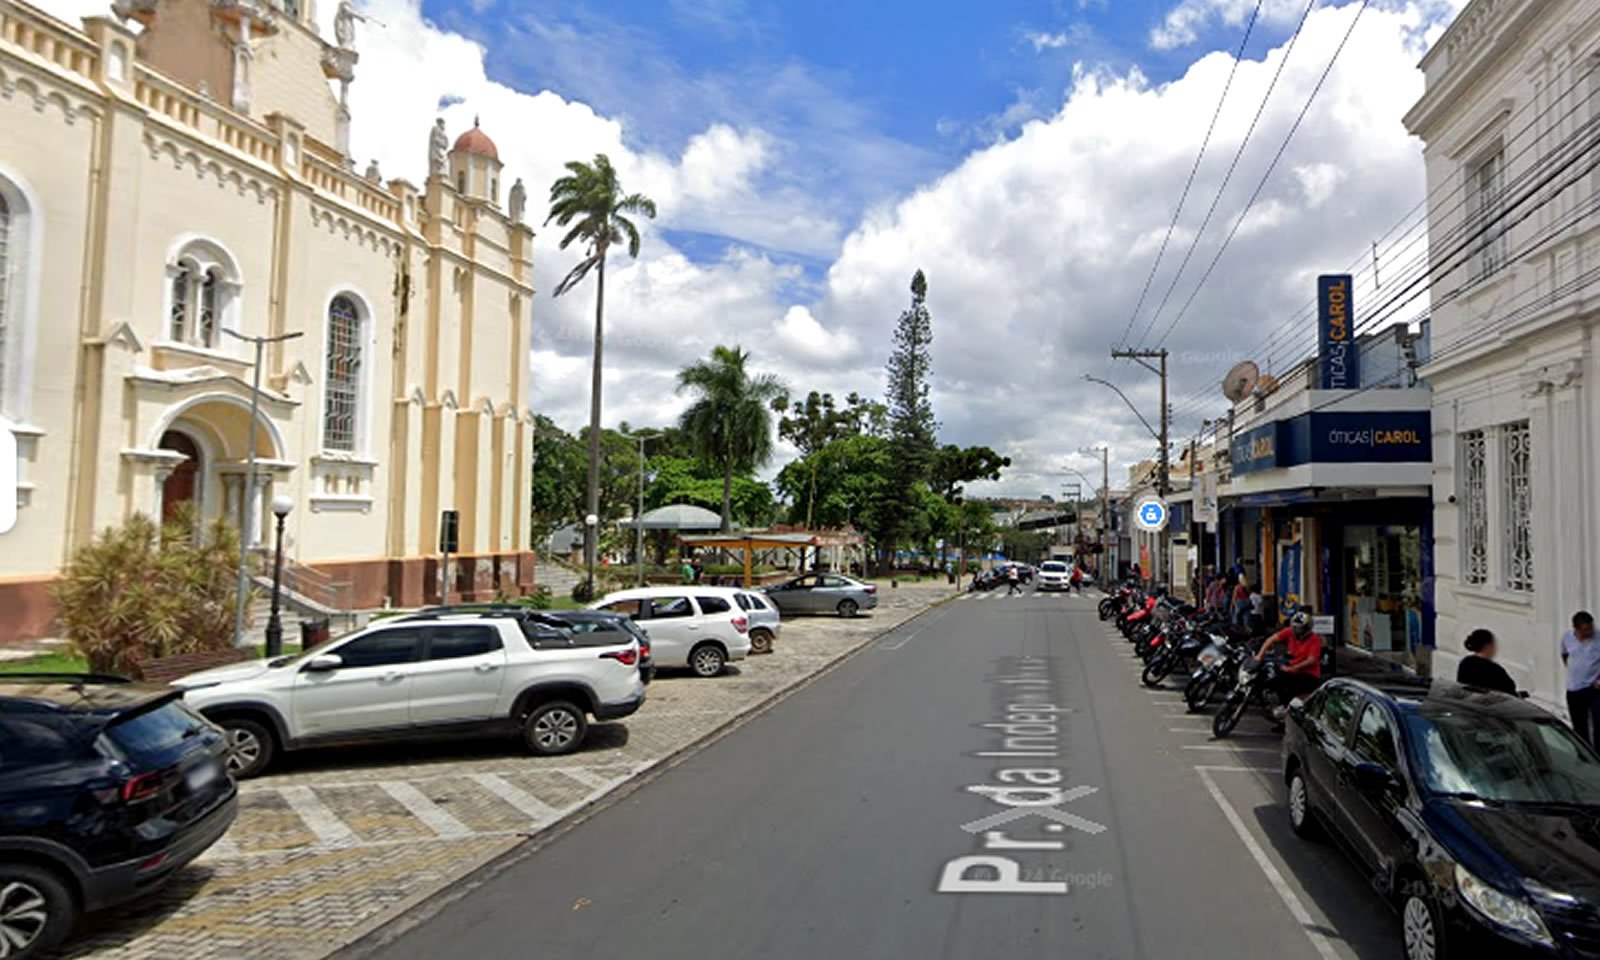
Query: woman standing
{"type": "Point", "coordinates": [1478, 668]}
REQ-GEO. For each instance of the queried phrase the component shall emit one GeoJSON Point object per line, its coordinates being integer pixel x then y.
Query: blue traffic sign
{"type": "Point", "coordinates": [1151, 514]}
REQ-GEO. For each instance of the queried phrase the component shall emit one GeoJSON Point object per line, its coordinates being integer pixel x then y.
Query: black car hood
{"type": "Point", "coordinates": [1555, 846]}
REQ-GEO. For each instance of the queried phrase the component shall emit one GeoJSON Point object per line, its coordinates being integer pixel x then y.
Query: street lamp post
{"type": "Point", "coordinates": [281, 506]}
{"type": "Point", "coordinates": [247, 500]}
{"type": "Point", "coordinates": [638, 515]}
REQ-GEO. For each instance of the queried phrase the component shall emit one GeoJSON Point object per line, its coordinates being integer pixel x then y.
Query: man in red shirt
{"type": "Point", "coordinates": [1303, 672]}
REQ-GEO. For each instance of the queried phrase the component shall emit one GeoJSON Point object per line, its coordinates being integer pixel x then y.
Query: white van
{"type": "Point", "coordinates": [702, 628]}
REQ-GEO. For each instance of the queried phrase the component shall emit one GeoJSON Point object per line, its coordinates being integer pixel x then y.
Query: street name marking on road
{"type": "Point", "coordinates": [1031, 785]}
{"type": "Point", "coordinates": [424, 809]}
{"type": "Point", "coordinates": [329, 829]}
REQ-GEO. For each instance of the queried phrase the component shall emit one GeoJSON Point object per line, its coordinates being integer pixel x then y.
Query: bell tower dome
{"type": "Point", "coordinates": [475, 166]}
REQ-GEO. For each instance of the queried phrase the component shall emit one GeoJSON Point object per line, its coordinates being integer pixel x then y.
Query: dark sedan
{"type": "Point", "coordinates": [1477, 813]}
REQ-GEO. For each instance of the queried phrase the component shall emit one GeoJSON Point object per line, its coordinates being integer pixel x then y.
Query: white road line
{"type": "Point", "coordinates": [1290, 899]}
{"type": "Point", "coordinates": [590, 780]}
{"type": "Point", "coordinates": [430, 813]}
{"type": "Point", "coordinates": [529, 804]}
{"type": "Point", "coordinates": [330, 830]}
{"type": "Point", "coordinates": [1230, 748]}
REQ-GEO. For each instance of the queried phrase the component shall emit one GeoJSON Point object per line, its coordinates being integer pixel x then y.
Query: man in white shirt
{"type": "Point", "coordinates": [1580, 651]}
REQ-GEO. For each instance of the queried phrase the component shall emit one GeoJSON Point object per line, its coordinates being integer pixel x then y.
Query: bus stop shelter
{"type": "Point", "coordinates": [748, 543]}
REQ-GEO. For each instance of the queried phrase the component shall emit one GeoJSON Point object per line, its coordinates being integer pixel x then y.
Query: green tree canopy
{"type": "Point", "coordinates": [729, 423]}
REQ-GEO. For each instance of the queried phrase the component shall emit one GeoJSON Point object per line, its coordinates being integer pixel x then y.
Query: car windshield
{"type": "Point", "coordinates": [1052, 566]}
{"type": "Point", "coordinates": [1502, 759]}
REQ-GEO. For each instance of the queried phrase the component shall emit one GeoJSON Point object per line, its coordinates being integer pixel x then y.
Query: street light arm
{"type": "Point", "coordinates": [1118, 391]}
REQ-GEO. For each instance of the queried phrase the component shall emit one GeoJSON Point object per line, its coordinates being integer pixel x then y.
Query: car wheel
{"type": "Point", "coordinates": [554, 728]}
{"type": "Point", "coordinates": [36, 910]}
{"type": "Point", "coordinates": [251, 747]}
{"type": "Point", "coordinates": [848, 608]}
{"type": "Point", "coordinates": [1301, 817]}
{"type": "Point", "coordinates": [707, 660]}
{"type": "Point", "coordinates": [761, 640]}
{"type": "Point", "coordinates": [1421, 926]}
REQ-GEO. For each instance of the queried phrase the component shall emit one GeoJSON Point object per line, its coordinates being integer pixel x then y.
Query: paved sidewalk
{"type": "Point", "coordinates": [337, 842]}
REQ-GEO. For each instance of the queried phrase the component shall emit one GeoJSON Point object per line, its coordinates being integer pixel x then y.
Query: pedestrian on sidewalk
{"type": "Point", "coordinates": [1077, 578]}
{"type": "Point", "coordinates": [687, 573]}
{"type": "Point", "coordinates": [1012, 580]}
{"type": "Point", "coordinates": [1580, 651]}
{"type": "Point", "coordinates": [1478, 669]}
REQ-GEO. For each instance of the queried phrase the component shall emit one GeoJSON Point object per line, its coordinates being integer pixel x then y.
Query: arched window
{"type": "Point", "coordinates": [5, 272]}
{"type": "Point", "coordinates": [182, 284]}
{"type": "Point", "coordinates": [204, 296]}
{"type": "Point", "coordinates": [206, 327]}
{"type": "Point", "coordinates": [339, 415]}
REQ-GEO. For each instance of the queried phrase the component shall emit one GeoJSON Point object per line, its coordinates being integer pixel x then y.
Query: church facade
{"type": "Point", "coordinates": [175, 189]}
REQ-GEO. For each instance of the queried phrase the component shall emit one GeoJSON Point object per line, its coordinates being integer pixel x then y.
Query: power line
{"type": "Point", "coordinates": [1282, 148]}
{"type": "Point", "coordinates": [1184, 196]}
{"type": "Point", "coordinates": [1232, 165]}
{"type": "Point", "coordinates": [1266, 350]}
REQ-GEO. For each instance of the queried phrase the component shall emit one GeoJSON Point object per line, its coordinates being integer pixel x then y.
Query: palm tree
{"type": "Point", "coordinates": [590, 199]}
{"type": "Point", "coordinates": [730, 422]}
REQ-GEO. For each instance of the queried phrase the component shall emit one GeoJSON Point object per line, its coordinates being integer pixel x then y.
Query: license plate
{"type": "Point", "coordinates": [201, 776]}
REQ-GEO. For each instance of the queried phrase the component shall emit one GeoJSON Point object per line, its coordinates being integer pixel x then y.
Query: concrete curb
{"type": "Point", "coordinates": [373, 936]}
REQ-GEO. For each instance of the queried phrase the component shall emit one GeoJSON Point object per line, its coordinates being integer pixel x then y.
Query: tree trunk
{"type": "Point", "coordinates": [591, 533]}
{"type": "Point", "coordinates": [811, 495]}
{"type": "Point", "coordinates": [727, 495]}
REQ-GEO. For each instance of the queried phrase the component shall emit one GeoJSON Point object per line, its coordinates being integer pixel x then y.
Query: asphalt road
{"type": "Point", "coordinates": [834, 824]}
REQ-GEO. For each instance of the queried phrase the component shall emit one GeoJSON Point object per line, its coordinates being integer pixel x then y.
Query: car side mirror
{"type": "Point", "coordinates": [1297, 708]}
{"type": "Point", "coordinates": [1375, 778]}
{"type": "Point", "coordinates": [324, 663]}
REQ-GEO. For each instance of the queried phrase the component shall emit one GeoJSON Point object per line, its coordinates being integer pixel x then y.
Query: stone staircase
{"type": "Point", "coordinates": [559, 578]}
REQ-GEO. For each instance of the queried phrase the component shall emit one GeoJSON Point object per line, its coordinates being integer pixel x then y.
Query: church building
{"type": "Point", "coordinates": [177, 198]}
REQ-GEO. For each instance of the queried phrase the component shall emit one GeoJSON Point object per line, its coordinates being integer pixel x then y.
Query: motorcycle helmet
{"type": "Point", "coordinates": [1301, 623]}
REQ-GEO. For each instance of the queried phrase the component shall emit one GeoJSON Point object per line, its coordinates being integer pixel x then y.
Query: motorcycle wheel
{"type": "Point", "coordinates": [1228, 717]}
{"type": "Point", "coordinates": [1198, 693]}
{"type": "Point", "coordinates": [1156, 671]}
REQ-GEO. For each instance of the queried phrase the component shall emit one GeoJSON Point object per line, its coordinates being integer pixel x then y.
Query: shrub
{"type": "Point", "coordinates": [583, 591]}
{"type": "Point", "coordinates": [539, 599]}
{"type": "Point", "coordinates": [138, 592]}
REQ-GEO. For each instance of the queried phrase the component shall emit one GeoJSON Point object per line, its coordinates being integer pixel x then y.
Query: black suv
{"type": "Point", "coordinates": [106, 789]}
{"type": "Point", "coordinates": [1476, 812]}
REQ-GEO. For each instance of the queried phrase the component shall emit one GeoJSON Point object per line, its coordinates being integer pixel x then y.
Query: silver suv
{"type": "Point", "coordinates": [478, 669]}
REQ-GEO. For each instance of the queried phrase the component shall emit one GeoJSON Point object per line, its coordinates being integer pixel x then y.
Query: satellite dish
{"type": "Point", "coordinates": [1240, 380]}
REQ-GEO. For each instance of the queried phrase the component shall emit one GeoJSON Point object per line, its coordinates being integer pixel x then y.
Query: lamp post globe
{"type": "Point", "coordinates": [282, 506]}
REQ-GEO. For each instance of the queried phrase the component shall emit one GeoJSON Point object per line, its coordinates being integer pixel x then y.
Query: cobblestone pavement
{"type": "Point", "coordinates": [337, 842]}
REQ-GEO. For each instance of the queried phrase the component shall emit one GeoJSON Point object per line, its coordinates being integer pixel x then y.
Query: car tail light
{"type": "Point", "coordinates": [627, 657]}
{"type": "Point", "coordinates": [741, 624]}
{"type": "Point", "coordinates": [143, 786]}
{"type": "Point", "coordinates": [871, 588]}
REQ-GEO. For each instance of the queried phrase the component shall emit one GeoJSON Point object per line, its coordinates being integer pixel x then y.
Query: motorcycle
{"type": "Point", "coordinates": [1255, 679]}
{"type": "Point", "coordinates": [1216, 670]}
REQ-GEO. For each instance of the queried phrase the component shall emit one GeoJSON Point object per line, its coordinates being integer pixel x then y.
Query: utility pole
{"type": "Point", "coordinates": [247, 503]}
{"type": "Point", "coordinates": [1143, 358]}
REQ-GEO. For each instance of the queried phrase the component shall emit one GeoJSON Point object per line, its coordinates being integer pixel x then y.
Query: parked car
{"type": "Point", "coordinates": [824, 593]}
{"type": "Point", "coordinates": [590, 621]}
{"type": "Point", "coordinates": [702, 628]}
{"type": "Point", "coordinates": [107, 789]}
{"type": "Point", "coordinates": [445, 670]}
{"type": "Point", "coordinates": [765, 619]}
{"type": "Point", "coordinates": [1476, 812]}
{"type": "Point", "coordinates": [1054, 575]}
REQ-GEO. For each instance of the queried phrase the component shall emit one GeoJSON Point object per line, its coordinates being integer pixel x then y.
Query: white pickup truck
{"type": "Point", "coordinates": [463, 669]}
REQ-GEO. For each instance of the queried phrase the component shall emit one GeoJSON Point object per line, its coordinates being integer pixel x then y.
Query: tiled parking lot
{"type": "Point", "coordinates": [337, 842]}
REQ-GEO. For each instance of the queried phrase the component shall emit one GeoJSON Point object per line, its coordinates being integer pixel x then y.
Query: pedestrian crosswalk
{"type": "Point", "coordinates": [997, 595]}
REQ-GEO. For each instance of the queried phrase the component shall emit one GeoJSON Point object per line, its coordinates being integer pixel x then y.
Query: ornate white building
{"type": "Point", "coordinates": [1511, 123]}
{"type": "Point", "coordinates": [177, 177]}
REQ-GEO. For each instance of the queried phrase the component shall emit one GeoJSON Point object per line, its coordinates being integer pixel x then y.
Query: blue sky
{"type": "Point", "coordinates": [869, 99]}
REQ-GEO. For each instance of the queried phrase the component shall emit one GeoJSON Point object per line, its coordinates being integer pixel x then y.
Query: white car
{"type": "Point", "coordinates": [702, 628]}
{"type": "Point", "coordinates": [1054, 575]}
{"type": "Point", "coordinates": [446, 669]}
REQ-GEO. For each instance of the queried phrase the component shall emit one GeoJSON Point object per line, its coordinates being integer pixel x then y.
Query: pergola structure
{"type": "Point", "coordinates": [749, 543]}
